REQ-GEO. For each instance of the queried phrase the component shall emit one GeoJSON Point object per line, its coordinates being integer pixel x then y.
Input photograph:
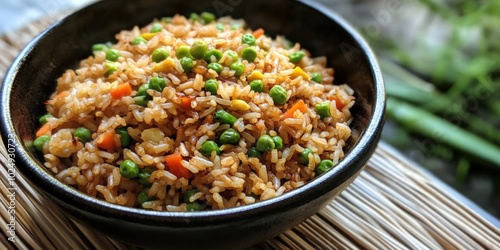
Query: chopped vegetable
{"type": "Point", "coordinates": [138, 40]}
{"type": "Point", "coordinates": [323, 109]}
{"type": "Point", "coordinates": [144, 176]}
{"type": "Point", "coordinates": [213, 55]}
{"type": "Point", "coordinates": [300, 105]}
{"type": "Point", "coordinates": [148, 36]}
{"type": "Point", "coordinates": [195, 206]}
{"type": "Point", "coordinates": [183, 51]}
{"type": "Point", "coordinates": [121, 90]}
{"type": "Point", "coordinates": [160, 54]}
{"type": "Point", "coordinates": [231, 55]}
{"type": "Point", "coordinates": [340, 105]}
{"type": "Point", "coordinates": [188, 194]}
{"type": "Point", "coordinates": [220, 27]}
{"type": "Point", "coordinates": [207, 17]}
{"type": "Point", "coordinates": [99, 47]}
{"type": "Point", "coordinates": [208, 147]}
{"type": "Point", "coordinates": [258, 32]}
{"type": "Point", "coordinates": [304, 156]}
{"type": "Point", "coordinates": [186, 102]}
{"type": "Point", "coordinates": [255, 75]}
{"type": "Point", "coordinates": [278, 142]}
{"type": "Point", "coordinates": [144, 197]}
{"type": "Point", "coordinates": [238, 68]}
{"type": "Point", "coordinates": [296, 57]}
{"type": "Point", "coordinates": [40, 141]}
{"type": "Point", "coordinates": [249, 54]}
{"type": "Point", "coordinates": [265, 144]}
{"type": "Point", "coordinates": [215, 67]}
{"type": "Point", "coordinates": [230, 136]}
{"type": "Point", "coordinates": [224, 117]}
{"type": "Point", "coordinates": [143, 90]}
{"type": "Point", "coordinates": [297, 71]}
{"type": "Point", "coordinates": [278, 94]}
{"type": "Point", "coordinates": [317, 77]}
{"type": "Point", "coordinates": [157, 83]}
{"type": "Point", "coordinates": [129, 169]}
{"type": "Point", "coordinates": [248, 39]}
{"type": "Point", "coordinates": [44, 129]}
{"type": "Point", "coordinates": [43, 118]}
{"type": "Point", "coordinates": [111, 68]}
{"type": "Point", "coordinates": [323, 166]}
{"type": "Point", "coordinates": [257, 85]}
{"type": "Point", "coordinates": [125, 138]}
{"type": "Point", "coordinates": [156, 28]}
{"type": "Point", "coordinates": [84, 134]}
{"type": "Point", "coordinates": [253, 152]}
{"type": "Point", "coordinates": [142, 100]}
{"type": "Point", "coordinates": [175, 166]}
{"type": "Point", "coordinates": [107, 141]}
{"type": "Point", "coordinates": [166, 19]}
{"type": "Point", "coordinates": [239, 105]}
{"type": "Point", "coordinates": [187, 64]}
{"type": "Point", "coordinates": [112, 55]}
{"type": "Point", "coordinates": [211, 86]}
{"type": "Point", "coordinates": [199, 49]}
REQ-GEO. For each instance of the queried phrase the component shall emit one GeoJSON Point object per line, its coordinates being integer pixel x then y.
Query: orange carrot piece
{"type": "Point", "coordinates": [121, 90]}
{"type": "Point", "coordinates": [43, 130]}
{"type": "Point", "coordinates": [186, 102]}
{"type": "Point", "coordinates": [338, 103]}
{"type": "Point", "coordinates": [107, 141]}
{"type": "Point", "coordinates": [258, 32]}
{"type": "Point", "coordinates": [174, 164]}
{"type": "Point", "coordinates": [300, 105]}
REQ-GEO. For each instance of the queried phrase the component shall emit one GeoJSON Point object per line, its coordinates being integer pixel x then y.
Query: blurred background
{"type": "Point", "coordinates": [441, 64]}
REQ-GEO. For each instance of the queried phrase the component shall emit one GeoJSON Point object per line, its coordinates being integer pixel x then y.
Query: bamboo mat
{"type": "Point", "coordinates": [393, 204]}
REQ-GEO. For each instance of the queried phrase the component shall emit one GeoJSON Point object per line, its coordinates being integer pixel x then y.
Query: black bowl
{"type": "Point", "coordinates": [32, 78]}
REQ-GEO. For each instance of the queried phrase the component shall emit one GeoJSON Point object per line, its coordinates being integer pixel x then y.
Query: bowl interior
{"type": "Point", "coordinates": [32, 78]}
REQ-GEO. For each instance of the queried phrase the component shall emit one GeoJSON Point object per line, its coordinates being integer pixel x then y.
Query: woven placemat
{"type": "Point", "coordinates": [391, 205]}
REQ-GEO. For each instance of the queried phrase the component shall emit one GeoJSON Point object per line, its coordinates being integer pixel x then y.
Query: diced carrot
{"type": "Point", "coordinates": [107, 141]}
{"type": "Point", "coordinates": [121, 90]}
{"type": "Point", "coordinates": [174, 164]}
{"type": "Point", "coordinates": [338, 103]}
{"type": "Point", "coordinates": [300, 105]}
{"type": "Point", "coordinates": [47, 127]}
{"type": "Point", "coordinates": [186, 102]}
{"type": "Point", "coordinates": [258, 32]}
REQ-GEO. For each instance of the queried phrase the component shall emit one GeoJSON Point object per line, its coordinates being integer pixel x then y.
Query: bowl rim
{"type": "Point", "coordinates": [369, 135]}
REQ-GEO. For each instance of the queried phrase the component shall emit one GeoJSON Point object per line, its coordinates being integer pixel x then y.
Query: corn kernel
{"type": "Point", "coordinates": [239, 105]}
{"type": "Point", "coordinates": [148, 36]}
{"type": "Point", "coordinates": [299, 72]}
{"type": "Point", "coordinates": [255, 75]}
{"type": "Point", "coordinates": [165, 66]}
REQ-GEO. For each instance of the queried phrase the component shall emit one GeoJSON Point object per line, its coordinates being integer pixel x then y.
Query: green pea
{"type": "Point", "coordinates": [208, 147]}
{"type": "Point", "coordinates": [99, 47]}
{"type": "Point", "coordinates": [316, 77]}
{"type": "Point", "coordinates": [257, 85]}
{"type": "Point", "coordinates": [265, 144]}
{"type": "Point", "coordinates": [278, 94]}
{"type": "Point", "coordinates": [304, 156]}
{"type": "Point", "coordinates": [143, 90]}
{"type": "Point", "coordinates": [157, 83]}
{"type": "Point", "coordinates": [129, 169]}
{"type": "Point", "coordinates": [125, 138]}
{"type": "Point", "coordinates": [211, 86]}
{"type": "Point", "coordinates": [187, 64]}
{"type": "Point", "coordinates": [323, 166]}
{"type": "Point", "coordinates": [249, 54]}
{"type": "Point", "coordinates": [112, 68]}
{"type": "Point", "coordinates": [194, 17]}
{"type": "Point", "coordinates": [195, 206]}
{"type": "Point", "coordinates": [238, 68]}
{"type": "Point", "coordinates": [142, 100]}
{"type": "Point", "coordinates": [296, 57]}
{"type": "Point", "coordinates": [230, 136]}
{"type": "Point", "coordinates": [156, 28]}
{"type": "Point", "coordinates": [278, 142]}
{"type": "Point", "coordinates": [248, 39]}
{"type": "Point", "coordinates": [84, 134]}
{"type": "Point", "coordinates": [207, 17]}
{"type": "Point", "coordinates": [43, 119]}
{"type": "Point", "coordinates": [215, 67]}
{"type": "Point", "coordinates": [231, 54]}
{"type": "Point", "coordinates": [138, 40]}
{"type": "Point", "coordinates": [213, 54]}
{"type": "Point", "coordinates": [183, 51]}
{"type": "Point", "coordinates": [40, 141]}
{"type": "Point", "coordinates": [112, 55]}
{"type": "Point", "coordinates": [220, 27]}
{"type": "Point", "coordinates": [253, 152]}
{"type": "Point", "coordinates": [144, 197]}
{"type": "Point", "coordinates": [323, 109]}
{"type": "Point", "coordinates": [160, 54]}
{"type": "Point", "coordinates": [224, 117]}
{"type": "Point", "coordinates": [166, 19]}
{"type": "Point", "coordinates": [199, 49]}
{"type": "Point", "coordinates": [188, 194]}
{"type": "Point", "coordinates": [144, 176]}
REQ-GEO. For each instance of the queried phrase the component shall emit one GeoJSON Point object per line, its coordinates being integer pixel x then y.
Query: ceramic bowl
{"type": "Point", "coordinates": [32, 78]}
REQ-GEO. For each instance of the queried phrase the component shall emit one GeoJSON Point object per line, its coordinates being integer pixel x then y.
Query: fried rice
{"type": "Point", "coordinates": [163, 130]}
